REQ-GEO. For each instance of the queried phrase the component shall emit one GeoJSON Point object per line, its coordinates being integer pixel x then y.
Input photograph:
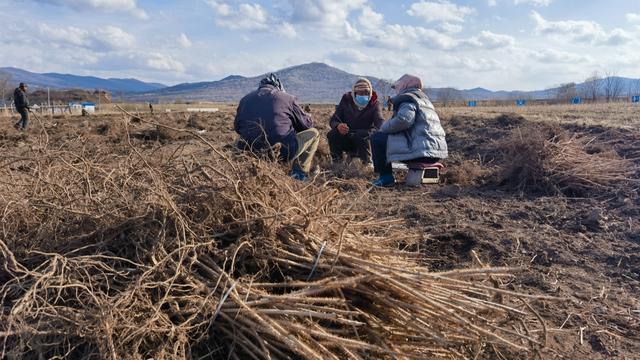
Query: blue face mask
{"type": "Point", "coordinates": [362, 100]}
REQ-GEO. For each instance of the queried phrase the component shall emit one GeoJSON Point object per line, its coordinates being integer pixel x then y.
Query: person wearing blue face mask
{"type": "Point", "coordinates": [358, 115]}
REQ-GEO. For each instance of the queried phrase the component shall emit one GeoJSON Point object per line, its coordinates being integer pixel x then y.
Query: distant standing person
{"type": "Point", "coordinates": [358, 115]}
{"type": "Point", "coordinates": [150, 108]}
{"type": "Point", "coordinates": [269, 116]}
{"type": "Point", "coordinates": [21, 103]}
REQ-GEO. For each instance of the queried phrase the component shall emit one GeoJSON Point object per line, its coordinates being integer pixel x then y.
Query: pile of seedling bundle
{"type": "Point", "coordinates": [186, 251]}
{"type": "Point", "coordinates": [541, 158]}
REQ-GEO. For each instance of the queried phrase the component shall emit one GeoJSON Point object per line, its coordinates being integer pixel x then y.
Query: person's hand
{"type": "Point", "coordinates": [343, 129]}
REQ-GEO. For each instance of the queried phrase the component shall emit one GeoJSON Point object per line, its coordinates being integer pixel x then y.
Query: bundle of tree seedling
{"type": "Point", "coordinates": [186, 251]}
{"type": "Point", "coordinates": [539, 158]}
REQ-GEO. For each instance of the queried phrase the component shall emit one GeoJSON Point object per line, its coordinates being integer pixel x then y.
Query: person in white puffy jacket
{"type": "Point", "coordinates": [413, 133]}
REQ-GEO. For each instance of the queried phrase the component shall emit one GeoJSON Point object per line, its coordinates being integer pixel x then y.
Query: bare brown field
{"type": "Point", "coordinates": [126, 239]}
{"type": "Point", "coordinates": [625, 115]}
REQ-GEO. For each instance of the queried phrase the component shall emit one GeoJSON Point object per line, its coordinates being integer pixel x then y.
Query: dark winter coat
{"type": "Point", "coordinates": [20, 99]}
{"type": "Point", "coordinates": [269, 116]}
{"type": "Point", "coordinates": [369, 118]}
{"type": "Point", "coordinates": [414, 130]}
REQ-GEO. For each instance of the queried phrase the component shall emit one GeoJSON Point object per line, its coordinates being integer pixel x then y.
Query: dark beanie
{"type": "Point", "coordinates": [273, 80]}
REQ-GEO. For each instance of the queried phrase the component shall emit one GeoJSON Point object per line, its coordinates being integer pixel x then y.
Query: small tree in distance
{"type": "Point", "coordinates": [613, 86]}
{"type": "Point", "coordinates": [634, 88]}
{"type": "Point", "coordinates": [383, 87]}
{"type": "Point", "coordinates": [5, 88]}
{"type": "Point", "coordinates": [566, 92]}
{"type": "Point", "coordinates": [591, 87]}
{"type": "Point", "coordinates": [448, 95]}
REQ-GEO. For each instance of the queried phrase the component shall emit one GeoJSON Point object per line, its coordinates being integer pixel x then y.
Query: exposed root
{"type": "Point", "coordinates": [183, 253]}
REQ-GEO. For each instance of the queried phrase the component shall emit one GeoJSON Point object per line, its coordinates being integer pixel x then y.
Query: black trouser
{"type": "Point", "coordinates": [24, 118]}
{"type": "Point", "coordinates": [356, 141]}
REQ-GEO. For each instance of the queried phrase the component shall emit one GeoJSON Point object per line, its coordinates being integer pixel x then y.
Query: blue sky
{"type": "Point", "coordinates": [497, 44]}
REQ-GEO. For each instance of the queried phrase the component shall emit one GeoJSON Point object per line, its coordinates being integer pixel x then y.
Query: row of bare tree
{"type": "Point", "coordinates": [609, 87]}
{"type": "Point", "coordinates": [6, 91]}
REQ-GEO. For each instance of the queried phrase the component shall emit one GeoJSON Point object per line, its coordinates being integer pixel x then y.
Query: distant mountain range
{"type": "Point", "coordinates": [66, 81]}
{"type": "Point", "coordinates": [314, 82]}
{"type": "Point", "coordinates": [311, 83]}
{"type": "Point", "coordinates": [321, 83]}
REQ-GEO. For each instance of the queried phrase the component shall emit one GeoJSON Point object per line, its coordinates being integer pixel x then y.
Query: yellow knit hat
{"type": "Point", "coordinates": [363, 84]}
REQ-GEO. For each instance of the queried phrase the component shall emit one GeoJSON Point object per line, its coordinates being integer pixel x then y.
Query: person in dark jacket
{"type": "Point", "coordinates": [357, 116]}
{"type": "Point", "coordinates": [413, 133]}
{"type": "Point", "coordinates": [21, 102]}
{"type": "Point", "coordinates": [269, 116]}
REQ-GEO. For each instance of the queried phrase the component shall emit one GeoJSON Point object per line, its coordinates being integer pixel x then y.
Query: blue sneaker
{"type": "Point", "coordinates": [384, 181]}
{"type": "Point", "coordinates": [299, 175]}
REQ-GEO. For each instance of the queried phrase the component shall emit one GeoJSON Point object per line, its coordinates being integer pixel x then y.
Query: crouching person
{"type": "Point", "coordinates": [413, 133]}
{"type": "Point", "coordinates": [269, 116]}
{"type": "Point", "coordinates": [358, 115]}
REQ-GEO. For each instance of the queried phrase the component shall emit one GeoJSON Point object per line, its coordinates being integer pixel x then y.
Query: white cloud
{"type": "Point", "coordinates": [489, 40]}
{"type": "Point", "coordinates": [469, 63]}
{"type": "Point", "coordinates": [389, 37]}
{"type": "Point", "coordinates": [403, 36]}
{"type": "Point", "coordinates": [246, 17]}
{"type": "Point", "coordinates": [548, 56]}
{"type": "Point", "coordinates": [492, 3]}
{"type": "Point", "coordinates": [433, 39]}
{"type": "Point", "coordinates": [633, 18]}
{"type": "Point", "coordinates": [106, 48]}
{"type": "Point", "coordinates": [129, 6]}
{"type": "Point", "coordinates": [451, 28]}
{"type": "Point", "coordinates": [349, 56]}
{"type": "Point", "coordinates": [250, 17]}
{"type": "Point", "coordinates": [329, 17]}
{"type": "Point", "coordinates": [220, 7]}
{"type": "Point", "coordinates": [286, 30]}
{"type": "Point", "coordinates": [534, 2]}
{"type": "Point", "coordinates": [369, 19]}
{"type": "Point", "coordinates": [111, 37]}
{"type": "Point", "coordinates": [71, 35]}
{"type": "Point", "coordinates": [135, 60]}
{"type": "Point", "coordinates": [617, 37]}
{"type": "Point", "coordinates": [158, 61]}
{"type": "Point", "coordinates": [184, 41]}
{"type": "Point", "coordinates": [328, 12]}
{"type": "Point", "coordinates": [348, 31]}
{"type": "Point", "coordinates": [103, 39]}
{"type": "Point", "coordinates": [442, 11]}
{"type": "Point", "coordinates": [398, 36]}
{"type": "Point", "coordinates": [581, 31]}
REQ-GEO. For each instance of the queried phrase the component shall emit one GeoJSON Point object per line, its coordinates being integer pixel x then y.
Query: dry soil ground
{"type": "Point", "coordinates": [585, 250]}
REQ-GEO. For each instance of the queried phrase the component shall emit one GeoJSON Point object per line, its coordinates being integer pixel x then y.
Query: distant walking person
{"type": "Point", "coordinates": [413, 133]}
{"type": "Point", "coordinates": [21, 103]}
{"type": "Point", "coordinates": [269, 116]}
{"type": "Point", "coordinates": [358, 115]}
